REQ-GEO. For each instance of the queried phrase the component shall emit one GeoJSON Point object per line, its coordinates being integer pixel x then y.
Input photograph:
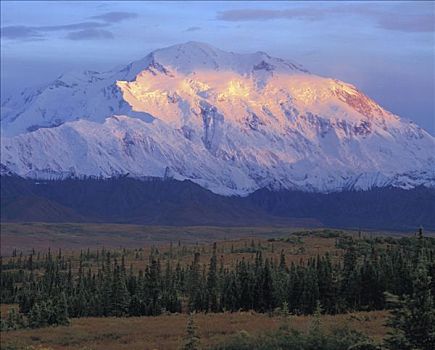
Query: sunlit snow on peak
{"type": "Point", "coordinates": [232, 123]}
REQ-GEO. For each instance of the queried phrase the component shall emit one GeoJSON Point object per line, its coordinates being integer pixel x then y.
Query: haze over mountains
{"type": "Point", "coordinates": [231, 123]}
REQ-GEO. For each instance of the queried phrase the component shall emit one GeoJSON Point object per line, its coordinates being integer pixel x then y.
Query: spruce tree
{"type": "Point", "coordinates": [195, 285]}
{"type": "Point", "coordinates": [120, 295]}
{"type": "Point", "coordinates": [62, 310]}
{"type": "Point", "coordinates": [413, 316]}
{"type": "Point", "coordinates": [14, 320]}
{"type": "Point", "coordinates": [191, 341]}
{"type": "Point", "coordinates": [212, 283]}
{"type": "Point", "coordinates": [267, 288]}
{"type": "Point", "coordinates": [106, 286]}
{"type": "Point", "coordinates": [154, 282]}
{"type": "Point", "coordinates": [282, 263]}
{"type": "Point", "coordinates": [35, 316]}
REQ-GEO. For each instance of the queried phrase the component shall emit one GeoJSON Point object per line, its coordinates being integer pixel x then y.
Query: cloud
{"type": "Point", "coordinates": [416, 23]}
{"type": "Point", "coordinates": [90, 34]}
{"type": "Point", "coordinates": [37, 32]}
{"type": "Point", "coordinates": [77, 31]}
{"type": "Point", "coordinates": [265, 15]}
{"type": "Point", "coordinates": [73, 26]}
{"type": "Point", "coordinates": [115, 16]}
{"type": "Point", "coordinates": [192, 29]}
{"type": "Point", "coordinates": [405, 18]}
{"type": "Point", "coordinates": [20, 32]}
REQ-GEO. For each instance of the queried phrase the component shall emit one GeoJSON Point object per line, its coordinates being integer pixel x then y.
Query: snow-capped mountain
{"type": "Point", "coordinates": [232, 123]}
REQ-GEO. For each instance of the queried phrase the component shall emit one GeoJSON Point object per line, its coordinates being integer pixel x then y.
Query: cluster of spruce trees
{"type": "Point", "coordinates": [49, 288]}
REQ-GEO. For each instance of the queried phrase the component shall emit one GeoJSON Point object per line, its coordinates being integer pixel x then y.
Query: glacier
{"type": "Point", "coordinates": [232, 123]}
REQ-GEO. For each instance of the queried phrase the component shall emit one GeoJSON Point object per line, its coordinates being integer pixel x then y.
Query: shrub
{"type": "Point", "coordinates": [315, 339]}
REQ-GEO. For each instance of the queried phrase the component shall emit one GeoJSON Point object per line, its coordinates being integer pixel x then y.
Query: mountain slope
{"type": "Point", "coordinates": [232, 123]}
{"type": "Point", "coordinates": [126, 200]}
{"type": "Point", "coordinates": [171, 202]}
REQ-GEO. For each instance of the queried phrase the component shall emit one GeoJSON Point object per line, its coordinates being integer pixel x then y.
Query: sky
{"type": "Point", "coordinates": [386, 49]}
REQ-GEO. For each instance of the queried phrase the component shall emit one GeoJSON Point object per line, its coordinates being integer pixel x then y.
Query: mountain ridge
{"type": "Point", "coordinates": [232, 123]}
{"type": "Point", "coordinates": [171, 202]}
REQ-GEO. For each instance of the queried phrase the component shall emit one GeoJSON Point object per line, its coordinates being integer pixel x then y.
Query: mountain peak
{"type": "Point", "coordinates": [193, 56]}
{"type": "Point", "coordinates": [232, 123]}
{"type": "Point", "coordinates": [191, 45]}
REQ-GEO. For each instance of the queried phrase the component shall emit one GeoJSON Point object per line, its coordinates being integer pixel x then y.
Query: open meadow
{"type": "Point", "coordinates": [76, 236]}
{"type": "Point", "coordinates": [166, 332]}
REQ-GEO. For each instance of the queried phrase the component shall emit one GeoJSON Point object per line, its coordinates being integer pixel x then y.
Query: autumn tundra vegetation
{"type": "Point", "coordinates": [321, 289]}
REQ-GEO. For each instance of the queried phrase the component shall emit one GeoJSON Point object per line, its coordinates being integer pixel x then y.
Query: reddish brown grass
{"type": "Point", "coordinates": [167, 332]}
{"type": "Point", "coordinates": [75, 236]}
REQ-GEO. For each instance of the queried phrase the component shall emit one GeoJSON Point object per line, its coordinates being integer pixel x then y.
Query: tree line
{"type": "Point", "coordinates": [50, 289]}
{"type": "Point", "coordinates": [411, 322]}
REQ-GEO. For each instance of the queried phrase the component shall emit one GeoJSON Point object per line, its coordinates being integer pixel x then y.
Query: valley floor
{"type": "Point", "coordinates": [78, 246]}
{"type": "Point", "coordinates": [75, 236]}
{"type": "Point", "coordinates": [167, 331]}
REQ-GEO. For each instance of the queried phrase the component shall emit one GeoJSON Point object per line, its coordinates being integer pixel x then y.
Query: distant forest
{"type": "Point", "coordinates": [183, 203]}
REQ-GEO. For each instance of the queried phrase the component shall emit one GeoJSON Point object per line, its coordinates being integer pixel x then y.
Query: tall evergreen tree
{"type": "Point", "coordinates": [212, 283]}
{"type": "Point", "coordinates": [413, 316]}
{"type": "Point", "coordinates": [154, 289]}
{"type": "Point", "coordinates": [120, 294]}
{"type": "Point", "coordinates": [62, 310]}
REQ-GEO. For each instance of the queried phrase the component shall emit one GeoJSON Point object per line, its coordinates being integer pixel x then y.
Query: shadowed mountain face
{"type": "Point", "coordinates": [171, 202]}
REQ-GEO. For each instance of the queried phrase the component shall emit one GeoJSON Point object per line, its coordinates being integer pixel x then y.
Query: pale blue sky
{"type": "Point", "coordinates": [384, 48]}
